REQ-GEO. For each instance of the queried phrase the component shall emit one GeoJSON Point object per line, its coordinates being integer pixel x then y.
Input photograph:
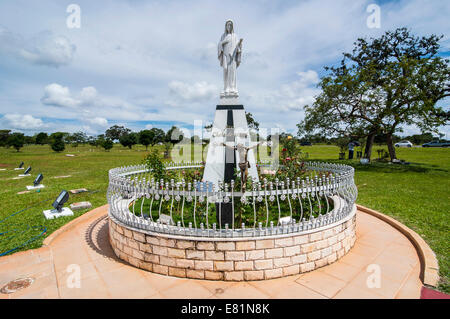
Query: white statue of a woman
{"type": "Point", "coordinates": [229, 54]}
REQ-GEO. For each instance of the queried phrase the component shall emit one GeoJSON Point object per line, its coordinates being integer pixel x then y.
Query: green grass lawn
{"type": "Point", "coordinates": [416, 194]}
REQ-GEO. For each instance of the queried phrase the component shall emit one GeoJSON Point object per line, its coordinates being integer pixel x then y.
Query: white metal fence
{"type": "Point", "coordinates": [324, 197]}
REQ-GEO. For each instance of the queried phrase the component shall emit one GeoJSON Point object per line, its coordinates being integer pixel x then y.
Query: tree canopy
{"type": "Point", "coordinates": [57, 141]}
{"type": "Point", "coordinates": [16, 140]}
{"type": "Point", "coordinates": [174, 135]}
{"type": "Point", "coordinates": [384, 84]}
{"type": "Point", "coordinates": [129, 139]}
{"type": "Point", "coordinates": [41, 138]}
{"type": "Point", "coordinates": [115, 132]}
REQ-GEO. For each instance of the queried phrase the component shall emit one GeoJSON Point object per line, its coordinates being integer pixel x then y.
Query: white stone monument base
{"type": "Point", "coordinates": [229, 100]}
{"type": "Point", "coordinates": [53, 213]}
{"type": "Point", "coordinates": [31, 187]}
{"type": "Point", "coordinates": [24, 175]}
{"type": "Point", "coordinates": [215, 160]}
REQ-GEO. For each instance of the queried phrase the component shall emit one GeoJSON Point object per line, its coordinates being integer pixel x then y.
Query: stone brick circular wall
{"type": "Point", "coordinates": [233, 259]}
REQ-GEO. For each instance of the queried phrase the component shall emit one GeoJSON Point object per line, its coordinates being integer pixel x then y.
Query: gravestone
{"type": "Point", "coordinates": [38, 179]}
{"type": "Point", "coordinates": [54, 213]}
{"type": "Point", "coordinates": [20, 166]}
{"type": "Point", "coordinates": [31, 187]}
{"type": "Point", "coordinates": [80, 205]}
{"type": "Point", "coordinates": [78, 190]}
{"type": "Point", "coordinates": [59, 210]}
{"type": "Point", "coordinates": [27, 172]}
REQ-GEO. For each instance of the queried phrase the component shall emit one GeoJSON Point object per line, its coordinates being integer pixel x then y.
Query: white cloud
{"type": "Point", "coordinates": [129, 64]}
{"type": "Point", "coordinates": [44, 48]}
{"type": "Point", "coordinates": [22, 122]}
{"type": "Point", "coordinates": [196, 92]}
{"type": "Point", "coordinates": [58, 95]}
{"type": "Point", "coordinates": [98, 121]}
{"type": "Point", "coordinates": [88, 98]}
{"type": "Point", "coordinates": [292, 96]}
{"type": "Point", "coordinates": [88, 94]}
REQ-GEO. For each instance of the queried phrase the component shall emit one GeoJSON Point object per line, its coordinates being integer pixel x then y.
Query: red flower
{"type": "Point", "coordinates": [284, 150]}
{"type": "Point", "coordinates": [288, 158]}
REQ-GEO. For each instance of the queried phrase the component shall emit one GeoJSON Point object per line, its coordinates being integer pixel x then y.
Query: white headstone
{"type": "Point", "coordinates": [80, 205]}
{"type": "Point", "coordinates": [31, 187]}
{"type": "Point", "coordinates": [53, 213]}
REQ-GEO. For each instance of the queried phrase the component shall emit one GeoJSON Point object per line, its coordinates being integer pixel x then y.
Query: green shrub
{"type": "Point", "coordinates": [16, 140]}
{"type": "Point", "coordinates": [154, 162]}
{"type": "Point", "coordinates": [57, 143]}
{"type": "Point", "coordinates": [107, 144]}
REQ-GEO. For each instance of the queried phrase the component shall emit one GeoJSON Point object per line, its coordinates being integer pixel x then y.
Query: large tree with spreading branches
{"type": "Point", "coordinates": [383, 85]}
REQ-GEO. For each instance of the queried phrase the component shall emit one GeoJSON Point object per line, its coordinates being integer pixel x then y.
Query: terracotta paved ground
{"type": "Point", "coordinates": [104, 276]}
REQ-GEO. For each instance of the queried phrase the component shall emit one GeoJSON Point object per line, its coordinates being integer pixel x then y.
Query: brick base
{"type": "Point", "coordinates": [232, 259]}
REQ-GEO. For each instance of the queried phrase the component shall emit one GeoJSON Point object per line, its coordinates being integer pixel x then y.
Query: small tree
{"type": "Point", "coordinates": [41, 138]}
{"type": "Point", "coordinates": [167, 147]}
{"type": "Point", "coordinates": [57, 143]}
{"type": "Point", "coordinates": [128, 140]}
{"type": "Point", "coordinates": [158, 136]}
{"type": "Point", "coordinates": [383, 84]}
{"type": "Point", "coordinates": [251, 122]}
{"type": "Point", "coordinates": [342, 143]}
{"type": "Point", "coordinates": [155, 164]}
{"type": "Point", "coordinates": [16, 140]}
{"type": "Point", "coordinates": [107, 144]}
{"type": "Point", "coordinates": [174, 135]}
{"type": "Point", "coordinates": [28, 140]}
{"type": "Point", "coordinates": [78, 138]}
{"type": "Point", "coordinates": [115, 132]}
{"type": "Point", "coordinates": [145, 138]}
{"type": "Point", "coordinates": [92, 141]}
{"type": "Point", "coordinates": [4, 135]}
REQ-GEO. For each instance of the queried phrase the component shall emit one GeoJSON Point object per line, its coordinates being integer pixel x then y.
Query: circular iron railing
{"type": "Point", "coordinates": [324, 197]}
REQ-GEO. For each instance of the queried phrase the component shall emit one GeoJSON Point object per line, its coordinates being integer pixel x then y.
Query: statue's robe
{"type": "Point", "coordinates": [229, 64]}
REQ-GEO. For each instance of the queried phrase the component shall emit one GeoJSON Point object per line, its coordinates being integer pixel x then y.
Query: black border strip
{"type": "Point", "coordinates": [229, 107]}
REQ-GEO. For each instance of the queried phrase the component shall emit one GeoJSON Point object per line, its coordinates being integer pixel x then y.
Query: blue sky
{"type": "Point", "coordinates": [153, 63]}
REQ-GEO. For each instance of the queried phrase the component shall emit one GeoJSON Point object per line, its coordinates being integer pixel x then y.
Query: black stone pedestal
{"type": "Point", "coordinates": [224, 215]}
{"type": "Point", "coordinates": [224, 212]}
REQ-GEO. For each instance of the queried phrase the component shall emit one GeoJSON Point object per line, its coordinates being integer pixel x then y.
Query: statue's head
{"type": "Point", "coordinates": [229, 26]}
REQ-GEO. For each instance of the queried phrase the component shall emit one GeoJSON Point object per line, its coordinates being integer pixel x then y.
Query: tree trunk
{"type": "Point", "coordinates": [369, 144]}
{"type": "Point", "coordinates": [390, 146]}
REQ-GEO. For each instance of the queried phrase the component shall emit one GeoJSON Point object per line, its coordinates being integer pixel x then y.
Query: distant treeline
{"type": "Point", "coordinates": [154, 136]}
{"type": "Point", "coordinates": [380, 139]}
{"type": "Point", "coordinates": [114, 134]}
